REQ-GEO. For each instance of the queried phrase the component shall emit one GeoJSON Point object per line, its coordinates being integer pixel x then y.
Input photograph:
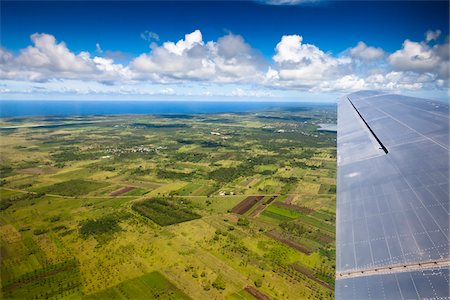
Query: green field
{"type": "Point", "coordinates": [164, 211]}
{"type": "Point", "coordinates": [140, 207]}
{"type": "Point", "coordinates": [150, 286]}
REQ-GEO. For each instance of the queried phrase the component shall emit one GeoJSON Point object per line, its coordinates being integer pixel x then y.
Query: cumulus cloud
{"type": "Point", "coordinates": [231, 65]}
{"type": "Point", "coordinates": [432, 35]}
{"type": "Point", "coordinates": [190, 40]}
{"type": "Point", "coordinates": [47, 59]}
{"type": "Point", "coordinates": [149, 36]}
{"type": "Point", "coordinates": [420, 57]}
{"type": "Point", "coordinates": [228, 59]}
{"type": "Point", "coordinates": [52, 56]}
{"type": "Point", "coordinates": [364, 52]}
{"type": "Point", "coordinates": [300, 64]}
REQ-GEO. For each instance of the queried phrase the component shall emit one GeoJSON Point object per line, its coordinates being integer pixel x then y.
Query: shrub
{"type": "Point", "coordinates": [106, 224]}
{"type": "Point", "coordinates": [219, 283]}
{"type": "Point", "coordinates": [39, 231]}
{"type": "Point", "coordinates": [165, 211]}
{"type": "Point", "coordinates": [243, 221]}
{"type": "Point", "coordinates": [258, 282]}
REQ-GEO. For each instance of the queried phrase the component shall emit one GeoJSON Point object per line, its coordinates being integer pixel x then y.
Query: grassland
{"type": "Point", "coordinates": [156, 206]}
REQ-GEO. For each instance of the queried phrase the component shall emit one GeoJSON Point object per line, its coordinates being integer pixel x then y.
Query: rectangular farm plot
{"type": "Point", "coordinates": [246, 204]}
{"type": "Point", "coordinates": [153, 285]}
{"type": "Point", "coordinates": [48, 282]}
{"type": "Point", "coordinates": [277, 214]}
{"type": "Point", "coordinates": [165, 212]}
{"type": "Point", "coordinates": [74, 187]}
{"type": "Point", "coordinates": [123, 190]}
{"type": "Point", "coordinates": [260, 208]}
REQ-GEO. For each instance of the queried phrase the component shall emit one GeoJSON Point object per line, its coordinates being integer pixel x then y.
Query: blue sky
{"type": "Point", "coordinates": [237, 49]}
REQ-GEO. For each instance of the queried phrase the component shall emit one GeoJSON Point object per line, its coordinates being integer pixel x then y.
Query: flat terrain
{"type": "Point", "coordinates": [207, 206]}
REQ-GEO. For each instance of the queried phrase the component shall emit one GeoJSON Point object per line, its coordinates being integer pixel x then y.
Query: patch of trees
{"type": "Point", "coordinates": [131, 140]}
{"type": "Point", "coordinates": [221, 121]}
{"type": "Point", "coordinates": [307, 153]}
{"type": "Point", "coordinates": [293, 228]}
{"type": "Point", "coordinates": [243, 221]}
{"type": "Point", "coordinates": [211, 144]}
{"type": "Point", "coordinates": [303, 165]}
{"type": "Point", "coordinates": [189, 156]}
{"type": "Point", "coordinates": [164, 211]}
{"type": "Point", "coordinates": [176, 116]}
{"type": "Point", "coordinates": [7, 202]}
{"type": "Point", "coordinates": [332, 189]}
{"type": "Point", "coordinates": [224, 175]}
{"type": "Point", "coordinates": [4, 204]}
{"type": "Point", "coordinates": [39, 231]}
{"type": "Point", "coordinates": [288, 118]}
{"type": "Point", "coordinates": [219, 283]}
{"type": "Point", "coordinates": [73, 156]}
{"type": "Point", "coordinates": [258, 282]}
{"type": "Point", "coordinates": [52, 281]}
{"type": "Point", "coordinates": [267, 172]}
{"type": "Point", "coordinates": [169, 125]}
{"type": "Point", "coordinates": [140, 171]}
{"type": "Point", "coordinates": [75, 187]}
{"type": "Point", "coordinates": [185, 142]}
{"type": "Point", "coordinates": [264, 160]}
{"type": "Point", "coordinates": [104, 225]}
{"type": "Point", "coordinates": [166, 174]}
{"type": "Point", "coordinates": [5, 171]}
{"type": "Point", "coordinates": [328, 252]}
{"type": "Point", "coordinates": [290, 180]}
{"type": "Point", "coordinates": [59, 227]}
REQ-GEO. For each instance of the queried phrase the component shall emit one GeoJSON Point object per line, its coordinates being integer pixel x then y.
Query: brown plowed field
{"type": "Point", "coordinates": [255, 293]}
{"type": "Point", "coordinates": [277, 236]}
{"type": "Point", "coordinates": [260, 208]}
{"type": "Point", "coordinates": [309, 274]}
{"type": "Point", "coordinates": [122, 191]}
{"type": "Point", "coordinates": [271, 200]}
{"type": "Point", "coordinates": [246, 204]}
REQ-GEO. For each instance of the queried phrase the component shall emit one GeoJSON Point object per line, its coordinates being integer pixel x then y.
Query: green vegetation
{"type": "Point", "coordinates": [104, 225]}
{"type": "Point", "coordinates": [75, 187]}
{"type": "Point", "coordinates": [219, 283]}
{"type": "Point", "coordinates": [149, 286]}
{"type": "Point", "coordinates": [164, 211]}
{"type": "Point", "coordinates": [53, 280]}
{"type": "Point", "coordinates": [210, 206]}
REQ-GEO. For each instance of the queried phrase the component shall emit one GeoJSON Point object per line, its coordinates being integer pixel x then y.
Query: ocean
{"type": "Point", "coordinates": [10, 108]}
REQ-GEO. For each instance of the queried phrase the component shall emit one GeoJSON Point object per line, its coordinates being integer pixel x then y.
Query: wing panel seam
{"type": "Point", "coordinates": [418, 266]}
{"type": "Point", "coordinates": [370, 129]}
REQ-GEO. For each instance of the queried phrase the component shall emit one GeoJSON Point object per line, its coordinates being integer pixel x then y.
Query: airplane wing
{"type": "Point", "coordinates": [392, 215]}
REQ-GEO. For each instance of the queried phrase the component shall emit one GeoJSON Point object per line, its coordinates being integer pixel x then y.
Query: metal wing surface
{"type": "Point", "coordinates": [392, 226]}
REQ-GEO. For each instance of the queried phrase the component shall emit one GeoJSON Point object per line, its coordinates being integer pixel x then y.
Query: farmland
{"type": "Point", "coordinates": [202, 206]}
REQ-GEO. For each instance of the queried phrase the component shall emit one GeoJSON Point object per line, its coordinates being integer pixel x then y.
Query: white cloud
{"type": "Point", "coordinates": [227, 60]}
{"type": "Point", "coordinates": [149, 36]}
{"type": "Point", "coordinates": [226, 67]}
{"type": "Point", "coordinates": [420, 57]}
{"type": "Point", "coordinates": [304, 65]}
{"type": "Point", "coordinates": [190, 40]}
{"type": "Point", "coordinates": [364, 52]}
{"type": "Point", "coordinates": [98, 48]}
{"type": "Point", "coordinates": [49, 55]}
{"type": "Point", "coordinates": [346, 83]}
{"type": "Point", "coordinates": [47, 59]}
{"type": "Point", "coordinates": [432, 35]}
{"type": "Point", "coordinates": [5, 56]}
